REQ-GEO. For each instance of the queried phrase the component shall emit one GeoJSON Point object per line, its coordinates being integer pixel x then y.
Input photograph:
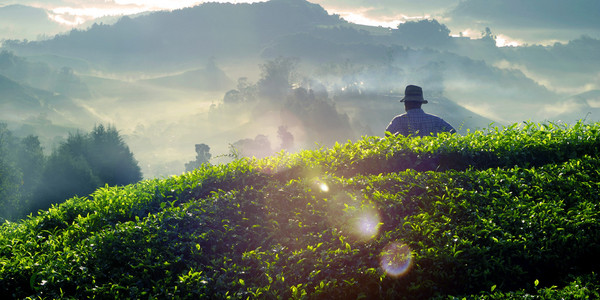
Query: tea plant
{"type": "Point", "coordinates": [495, 214]}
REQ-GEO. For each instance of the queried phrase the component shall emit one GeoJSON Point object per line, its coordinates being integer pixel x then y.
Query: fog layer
{"type": "Point", "coordinates": [255, 79]}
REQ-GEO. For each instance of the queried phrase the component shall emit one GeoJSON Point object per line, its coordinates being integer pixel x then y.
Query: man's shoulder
{"type": "Point", "coordinates": [432, 116]}
{"type": "Point", "coordinates": [400, 116]}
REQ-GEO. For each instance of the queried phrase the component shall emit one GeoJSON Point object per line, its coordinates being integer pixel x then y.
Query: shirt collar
{"type": "Point", "coordinates": [415, 111]}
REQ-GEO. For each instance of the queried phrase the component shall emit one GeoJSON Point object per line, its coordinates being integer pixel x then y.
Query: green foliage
{"type": "Point", "coordinates": [84, 163]}
{"type": "Point", "coordinates": [30, 181]}
{"type": "Point", "coordinates": [423, 33]}
{"type": "Point", "coordinates": [276, 76]}
{"type": "Point", "coordinates": [202, 156]}
{"type": "Point", "coordinates": [20, 160]}
{"type": "Point", "coordinates": [310, 105]}
{"type": "Point", "coordinates": [10, 175]}
{"type": "Point", "coordinates": [30, 157]}
{"type": "Point", "coordinates": [501, 214]}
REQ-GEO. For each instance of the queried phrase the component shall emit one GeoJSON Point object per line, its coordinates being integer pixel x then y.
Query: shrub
{"type": "Point", "coordinates": [508, 213]}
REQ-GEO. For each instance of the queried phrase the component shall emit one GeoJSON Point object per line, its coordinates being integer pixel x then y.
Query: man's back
{"type": "Point", "coordinates": [418, 123]}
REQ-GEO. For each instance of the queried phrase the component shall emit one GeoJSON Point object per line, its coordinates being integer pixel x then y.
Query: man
{"type": "Point", "coordinates": [415, 121]}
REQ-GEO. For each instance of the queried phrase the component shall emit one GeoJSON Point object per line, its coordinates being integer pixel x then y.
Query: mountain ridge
{"type": "Point", "coordinates": [161, 33]}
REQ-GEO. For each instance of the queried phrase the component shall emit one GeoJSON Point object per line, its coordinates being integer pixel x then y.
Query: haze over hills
{"type": "Point", "coordinates": [33, 23]}
{"type": "Point", "coordinates": [16, 97]}
{"type": "Point", "coordinates": [226, 74]}
{"type": "Point", "coordinates": [26, 22]}
{"type": "Point", "coordinates": [209, 78]}
{"type": "Point", "coordinates": [190, 35]}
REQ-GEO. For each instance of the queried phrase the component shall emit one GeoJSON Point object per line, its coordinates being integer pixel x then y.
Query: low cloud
{"type": "Point", "coordinates": [533, 13]}
{"type": "Point", "coordinates": [387, 8]}
{"type": "Point", "coordinates": [516, 21]}
{"type": "Point", "coordinates": [386, 13]}
{"type": "Point", "coordinates": [77, 12]}
{"type": "Point", "coordinates": [537, 21]}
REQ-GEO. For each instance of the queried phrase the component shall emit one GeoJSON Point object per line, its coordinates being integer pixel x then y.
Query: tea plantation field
{"type": "Point", "coordinates": [508, 213]}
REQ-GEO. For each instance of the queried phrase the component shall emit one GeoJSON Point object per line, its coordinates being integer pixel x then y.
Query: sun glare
{"type": "Point", "coordinates": [358, 18]}
{"type": "Point", "coordinates": [504, 41]}
{"type": "Point", "coordinates": [367, 224]}
{"type": "Point", "coordinates": [69, 20]}
{"type": "Point", "coordinates": [159, 4]}
{"type": "Point", "coordinates": [323, 187]}
{"type": "Point", "coordinates": [76, 16]}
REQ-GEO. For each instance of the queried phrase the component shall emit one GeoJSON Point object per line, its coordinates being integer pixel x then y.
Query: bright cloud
{"type": "Point", "coordinates": [77, 12]}
{"type": "Point", "coordinates": [68, 20]}
{"type": "Point", "coordinates": [385, 13]}
{"type": "Point", "coordinates": [470, 33]}
{"type": "Point", "coordinates": [505, 41]}
{"type": "Point", "coordinates": [389, 9]}
{"type": "Point", "coordinates": [76, 16]}
{"type": "Point", "coordinates": [359, 18]}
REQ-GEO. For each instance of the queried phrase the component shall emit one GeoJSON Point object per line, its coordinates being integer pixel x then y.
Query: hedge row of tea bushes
{"type": "Point", "coordinates": [524, 145]}
{"type": "Point", "coordinates": [500, 214]}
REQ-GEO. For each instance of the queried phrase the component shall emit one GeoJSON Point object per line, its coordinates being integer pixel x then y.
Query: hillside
{"type": "Point", "coordinates": [183, 37]}
{"type": "Point", "coordinates": [492, 214]}
{"type": "Point", "coordinates": [16, 96]}
{"type": "Point", "coordinates": [208, 78]}
{"type": "Point", "coordinates": [40, 75]}
{"type": "Point", "coordinates": [37, 111]}
{"type": "Point", "coordinates": [148, 75]}
{"type": "Point", "coordinates": [19, 102]}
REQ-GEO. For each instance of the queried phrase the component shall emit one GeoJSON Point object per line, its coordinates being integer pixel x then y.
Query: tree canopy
{"type": "Point", "coordinates": [85, 162]}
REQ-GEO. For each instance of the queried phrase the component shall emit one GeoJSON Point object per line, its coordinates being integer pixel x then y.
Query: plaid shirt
{"type": "Point", "coordinates": [418, 123]}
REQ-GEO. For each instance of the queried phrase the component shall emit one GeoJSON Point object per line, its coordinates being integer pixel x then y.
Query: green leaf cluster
{"type": "Point", "coordinates": [494, 214]}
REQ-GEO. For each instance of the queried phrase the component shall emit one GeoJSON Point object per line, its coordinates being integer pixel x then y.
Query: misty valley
{"type": "Point", "coordinates": [257, 79]}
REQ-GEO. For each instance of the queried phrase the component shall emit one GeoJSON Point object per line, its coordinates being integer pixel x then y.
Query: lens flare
{"type": "Point", "coordinates": [324, 187]}
{"type": "Point", "coordinates": [396, 259]}
{"type": "Point", "coordinates": [367, 224]}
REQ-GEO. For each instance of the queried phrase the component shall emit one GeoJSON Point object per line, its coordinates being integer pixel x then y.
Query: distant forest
{"type": "Point", "coordinates": [31, 181]}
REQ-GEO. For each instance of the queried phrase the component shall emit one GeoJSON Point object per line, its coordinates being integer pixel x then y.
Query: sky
{"type": "Point", "coordinates": [514, 22]}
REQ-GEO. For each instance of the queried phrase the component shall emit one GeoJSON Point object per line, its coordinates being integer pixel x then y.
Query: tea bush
{"type": "Point", "coordinates": [496, 214]}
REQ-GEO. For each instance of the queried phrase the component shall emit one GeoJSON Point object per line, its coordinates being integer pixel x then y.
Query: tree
{"type": "Point", "coordinates": [202, 156]}
{"type": "Point", "coordinates": [424, 33]}
{"type": "Point", "coordinates": [66, 175]}
{"type": "Point", "coordinates": [286, 137]}
{"type": "Point", "coordinates": [110, 158]}
{"type": "Point", "coordinates": [321, 121]}
{"type": "Point", "coordinates": [21, 162]}
{"type": "Point", "coordinates": [258, 147]}
{"type": "Point", "coordinates": [245, 92]}
{"type": "Point", "coordinates": [488, 37]}
{"type": "Point", "coordinates": [31, 160]}
{"type": "Point", "coordinates": [84, 163]}
{"type": "Point", "coordinates": [232, 97]}
{"type": "Point", "coordinates": [10, 175]}
{"type": "Point", "coordinates": [276, 77]}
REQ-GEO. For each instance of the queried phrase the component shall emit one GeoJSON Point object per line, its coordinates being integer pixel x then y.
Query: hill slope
{"type": "Point", "coordinates": [184, 36]}
{"type": "Point", "coordinates": [513, 212]}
